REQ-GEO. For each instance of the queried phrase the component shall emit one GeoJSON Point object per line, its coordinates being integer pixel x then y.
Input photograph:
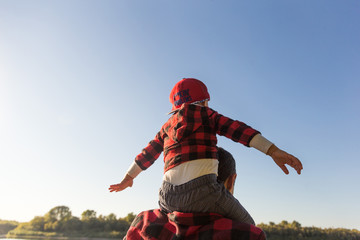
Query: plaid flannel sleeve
{"type": "Point", "coordinates": [233, 129]}
{"type": "Point", "coordinates": [151, 224]}
{"type": "Point", "coordinates": [151, 152]}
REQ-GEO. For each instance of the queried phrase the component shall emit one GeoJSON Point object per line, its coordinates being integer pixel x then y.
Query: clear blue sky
{"type": "Point", "coordinates": [84, 86]}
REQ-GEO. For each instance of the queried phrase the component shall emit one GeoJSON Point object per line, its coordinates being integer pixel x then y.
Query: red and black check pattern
{"type": "Point", "coordinates": [155, 225]}
{"type": "Point", "coordinates": [190, 134]}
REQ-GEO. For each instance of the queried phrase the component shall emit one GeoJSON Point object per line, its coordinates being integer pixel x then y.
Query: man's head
{"type": "Point", "coordinates": [188, 90]}
{"type": "Point", "coordinates": [227, 169]}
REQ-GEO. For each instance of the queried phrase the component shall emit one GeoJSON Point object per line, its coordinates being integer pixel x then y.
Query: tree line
{"type": "Point", "coordinates": [294, 231]}
{"type": "Point", "coordinates": [59, 222]}
{"type": "Point", "coordinates": [6, 226]}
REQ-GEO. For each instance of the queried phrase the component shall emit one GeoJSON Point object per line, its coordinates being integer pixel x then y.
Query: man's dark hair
{"type": "Point", "coordinates": [227, 165]}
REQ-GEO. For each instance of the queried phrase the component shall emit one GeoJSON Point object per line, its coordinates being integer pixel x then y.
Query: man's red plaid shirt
{"type": "Point", "coordinates": [190, 134]}
{"type": "Point", "coordinates": [156, 225]}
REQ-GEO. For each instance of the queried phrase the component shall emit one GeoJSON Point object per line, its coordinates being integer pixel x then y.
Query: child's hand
{"type": "Point", "coordinates": [281, 158]}
{"type": "Point", "coordinates": [126, 182]}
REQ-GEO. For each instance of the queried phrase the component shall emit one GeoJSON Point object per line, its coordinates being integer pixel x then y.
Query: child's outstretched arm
{"type": "Point", "coordinates": [279, 156]}
{"type": "Point", "coordinates": [142, 161]}
{"type": "Point", "coordinates": [133, 171]}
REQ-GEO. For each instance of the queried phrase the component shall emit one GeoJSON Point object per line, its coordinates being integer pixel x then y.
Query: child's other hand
{"type": "Point", "coordinates": [126, 182]}
{"type": "Point", "coordinates": [281, 158]}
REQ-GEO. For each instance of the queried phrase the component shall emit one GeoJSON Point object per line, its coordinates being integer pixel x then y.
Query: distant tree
{"type": "Point", "coordinates": [88, 215]}
{"type": "Point", "coordinates": [74, 224]}
{"type": "Point", "coordinates": [130, 217]}
{"type": "Point", "coordinates": [110, 222]}
{"type": "Point", "coordinates": [60, 213]}
{"type": "Point", "coordinates": [38, 223]}
{"type": "Point", "coordinates": [295, 225]}
{"type": "Point", "coordinates": [111, 218]}
{"type": "Point", "coordinates": [293, 231]}
{"type": "Point", "coordinates": [284, 223]}
{"type": "Point", "coordinates": [56, 219]}
{"type": "Point", "coordinates": [90, 222]}
{"type": "Point", "coordinates": [52, 226]}
{"type": "Point", "coordinates": [6, 226]}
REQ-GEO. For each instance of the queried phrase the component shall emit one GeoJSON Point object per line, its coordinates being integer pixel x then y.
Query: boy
{"type": "Point", "coordinates": [188, 140]}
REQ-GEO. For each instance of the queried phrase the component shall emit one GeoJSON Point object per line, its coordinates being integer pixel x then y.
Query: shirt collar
{"type": "Point", "coordinates": [192, 219]}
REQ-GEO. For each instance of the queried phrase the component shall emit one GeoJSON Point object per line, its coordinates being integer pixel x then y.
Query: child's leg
{"type": "Point", "coordinates": [203, 194]}
{"type": "Point", "coordinates": [228, 206]}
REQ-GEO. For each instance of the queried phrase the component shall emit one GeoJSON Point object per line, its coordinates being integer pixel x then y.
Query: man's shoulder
{"type": "Point", "coordinates": [154, 224]}
{"type": "Point", "coordinates": [213, 226]}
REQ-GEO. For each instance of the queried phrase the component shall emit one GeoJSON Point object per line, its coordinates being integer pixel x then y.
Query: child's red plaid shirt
{"type": "Point", "coordinates": [155, 225]}
{"type": "Point", "coordinates": [190, 134]}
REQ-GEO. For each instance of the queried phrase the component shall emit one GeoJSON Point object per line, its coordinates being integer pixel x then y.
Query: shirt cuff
{"type": "Point", "coordinates": [134, 170]}
{"type": "Point", "coordinates": [260, 143]}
